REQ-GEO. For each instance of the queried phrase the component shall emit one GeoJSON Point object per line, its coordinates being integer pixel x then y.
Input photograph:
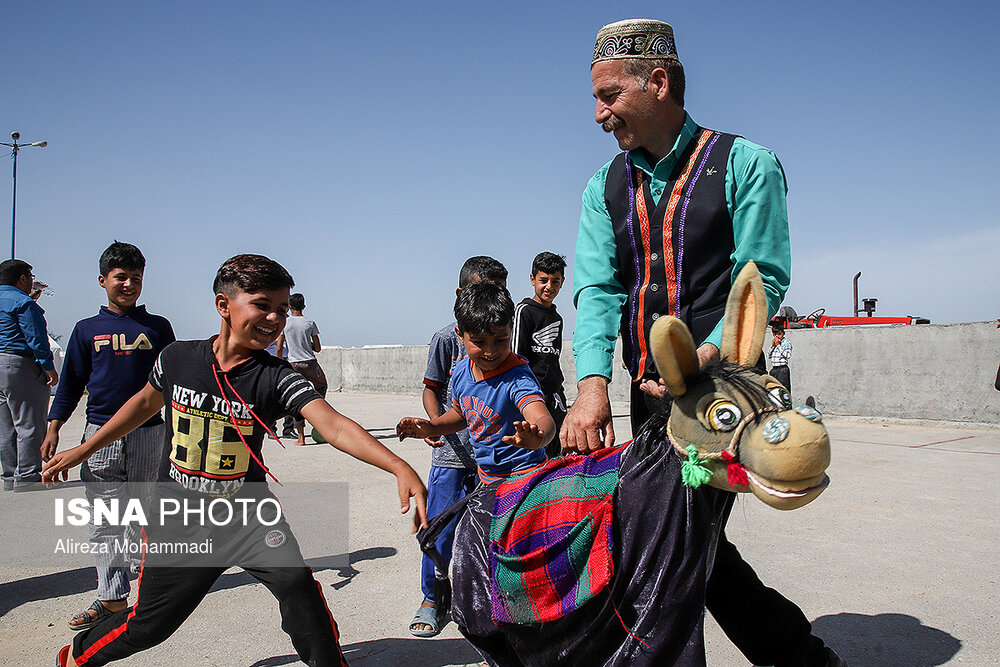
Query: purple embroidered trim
{"type": "Point", "coordinates": [680, 227]}
{"type": "Point", "coordinates": [635, 256]}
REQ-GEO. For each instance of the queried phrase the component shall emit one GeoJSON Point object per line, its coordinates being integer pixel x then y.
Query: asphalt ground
{"type": "Point", "coordinates": [895, 564]}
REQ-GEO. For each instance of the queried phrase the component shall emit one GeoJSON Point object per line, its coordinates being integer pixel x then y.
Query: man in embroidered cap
{"type": "Point", "coordinates": [665, 228]}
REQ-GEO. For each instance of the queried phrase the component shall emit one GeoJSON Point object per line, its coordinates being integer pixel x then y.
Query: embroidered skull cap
{"type": "Point", "coordinates": [635, 38]}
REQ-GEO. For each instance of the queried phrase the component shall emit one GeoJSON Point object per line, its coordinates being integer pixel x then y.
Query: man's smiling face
{"type": "Point", "coordinates": [623, 107]}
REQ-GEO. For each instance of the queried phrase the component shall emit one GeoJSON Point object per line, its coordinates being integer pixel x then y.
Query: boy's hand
{"type": "Point", "coordinates": [434, 442]}
{"type": "Point", "coordinates": [49, 445]}
{"type": "Point", "coordinates": [526, 435]}
{"type": "Point", "coordinates": [413, 427]}
{"type": "Point", "coordinates": [410, 486]}
{"type": "Point", "coordinates": [61, 463]}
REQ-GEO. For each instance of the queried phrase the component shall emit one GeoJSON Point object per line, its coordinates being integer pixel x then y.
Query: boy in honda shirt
{"type": "Point", "coordinates": [219, 395]}
{"type": "Point", "coordinates": [537, 336]}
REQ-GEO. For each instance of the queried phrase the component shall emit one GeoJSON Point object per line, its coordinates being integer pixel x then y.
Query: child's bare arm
{"type": "Point", "coordinates": [279, 345]}
{"type": "Point", "coordinates": [415, 427]}
{"type": "Point", "coordinates": [537, 429]}
{"type": "Point", "coordinates": [347, 435]}
{"type": "Point", "coordinates": [136, 411]}
{"type": "Point", "coordinates": [430, 402]}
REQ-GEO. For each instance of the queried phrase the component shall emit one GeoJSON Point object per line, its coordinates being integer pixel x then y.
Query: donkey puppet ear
{"type": "Point", "coordinates": [674, 353]}
{"type": "Point", "coordinates": [746, 317]}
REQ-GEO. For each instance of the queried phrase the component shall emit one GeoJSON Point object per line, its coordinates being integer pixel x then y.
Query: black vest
{"type": "Point", "coordinates": [680, 264]}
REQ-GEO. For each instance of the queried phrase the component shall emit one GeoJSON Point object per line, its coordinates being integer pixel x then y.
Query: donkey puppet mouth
{"type": "Point", "coordinates": [766, 486]}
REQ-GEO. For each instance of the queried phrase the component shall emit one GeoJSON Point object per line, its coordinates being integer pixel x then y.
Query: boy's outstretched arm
{"type": "Point", "coordinates": [537, 429]}
{"type": "Point", "coordinates": [415, 427]}
{"type": "Point", "coordinates": [136, 412]}
{"type": "Point", "coordinates": [347, 435]}
{"type": "Point", "coordinates": [430, 402]}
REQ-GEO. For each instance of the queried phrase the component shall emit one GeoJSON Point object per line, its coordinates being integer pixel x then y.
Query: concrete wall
{"type": "Point", "coordinates": [395, 369]}
{"type": "Point", "coordinates": [937, 372]}
{"type": "Point", "coordinates": [940, 372]}
{"type": "Point", "coordinates": [400, 369]}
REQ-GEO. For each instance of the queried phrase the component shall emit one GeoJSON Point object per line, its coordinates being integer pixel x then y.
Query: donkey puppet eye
{"type": "Point", "coordinates": [724, 415]}
{"type": "Point", "coordinates": [780, 397]}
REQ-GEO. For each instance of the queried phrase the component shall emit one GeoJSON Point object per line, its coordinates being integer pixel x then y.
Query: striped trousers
{"type": "Point", "coordinates": [124, 469]}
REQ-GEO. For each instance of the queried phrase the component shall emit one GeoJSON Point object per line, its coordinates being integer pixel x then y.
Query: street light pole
{"type": "Point", "coordinates": [14, 148]}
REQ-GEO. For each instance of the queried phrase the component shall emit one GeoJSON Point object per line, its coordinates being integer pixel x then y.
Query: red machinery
{"type": "Point", "coordinates": [788, 319]}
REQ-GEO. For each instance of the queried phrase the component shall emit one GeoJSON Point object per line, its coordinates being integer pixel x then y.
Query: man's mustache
{"type": "Point", "coordinates": [613, 123]}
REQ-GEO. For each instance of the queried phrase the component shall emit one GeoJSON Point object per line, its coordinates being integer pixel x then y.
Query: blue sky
{"type": "Point", "coordinates": [372, 147]}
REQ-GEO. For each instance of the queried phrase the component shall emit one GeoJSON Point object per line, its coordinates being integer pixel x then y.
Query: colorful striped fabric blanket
{"type": "Point", "coordinates": [551, 537]}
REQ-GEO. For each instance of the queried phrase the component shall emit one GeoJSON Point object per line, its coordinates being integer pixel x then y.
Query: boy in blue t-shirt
{"type": "Point", "coordinates": [494, 393]}
{"type": "Point", "coordinates": [110, 355]}
{"type": "Point", "coordinates": [453, 468]}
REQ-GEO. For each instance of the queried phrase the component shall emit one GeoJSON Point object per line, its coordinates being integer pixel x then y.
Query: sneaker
{"type": "Point", "coordinates": [8, 485]}
{"type": "Point", "coordinates": [28, 486]}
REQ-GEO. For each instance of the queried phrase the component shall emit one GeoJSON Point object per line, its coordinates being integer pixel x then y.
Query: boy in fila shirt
{"type": "Point", "coordinates": [219, 395]}
{"type": "Point", "coordinates": [538, 330]}
{"type": "Point", "coordinates": [110, 355]}
{"type": "Point", "coordinates": [494, 393]}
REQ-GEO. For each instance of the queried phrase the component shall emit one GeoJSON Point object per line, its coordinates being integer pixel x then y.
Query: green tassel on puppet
{"type": "Point", "coordinates": [694, 472]}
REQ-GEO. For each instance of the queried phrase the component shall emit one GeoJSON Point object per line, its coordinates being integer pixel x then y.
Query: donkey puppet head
{"type": "Point", "coordinates": [734, 427]}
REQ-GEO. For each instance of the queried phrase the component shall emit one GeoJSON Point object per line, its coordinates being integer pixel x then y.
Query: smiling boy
{"type": "Point", "coordinates": [493, 391]}
{"type": "Point", "coordinates": [110, 355]}
{"type": "Point", "coordinates": [215, 451]}
{"type": "Point", "coordinates": [538, 332]}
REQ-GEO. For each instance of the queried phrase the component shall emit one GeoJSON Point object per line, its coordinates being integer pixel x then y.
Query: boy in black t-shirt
{"type": "Point", "coordinates": [219, 395]}
{"type": "Point", "coordinates": [537, 336]}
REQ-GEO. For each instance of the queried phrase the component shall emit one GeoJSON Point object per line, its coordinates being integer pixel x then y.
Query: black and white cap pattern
{"type": "Point", "coordinates": [635, 38]}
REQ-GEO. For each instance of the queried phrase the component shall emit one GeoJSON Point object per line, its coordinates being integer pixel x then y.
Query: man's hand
{"type": "Point", "coordinates": [587, 426]}
{"type": "Point", "coordinates": [413, 427]}
{"type": "Point", "coordinates": [655, 388]}
{"type": "Point", "coordinates": [707, 353]}
{"type": "Point", "coordinates": [52, 378]}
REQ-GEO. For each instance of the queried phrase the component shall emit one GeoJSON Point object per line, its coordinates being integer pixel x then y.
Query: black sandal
{"type": "Point", "coordinates": [90, 621]}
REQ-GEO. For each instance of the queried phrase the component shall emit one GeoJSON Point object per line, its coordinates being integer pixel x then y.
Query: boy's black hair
{"type": "Point", "coordinates": [250, 273]}
{"type": "Point", "coordinates": [483, 307]}
{"type": "Point", "coordinates": [297, 301]}
{"type": "Point", "coordinates": [11, 271]}
{"type": "Point", "coordinates": [549, 262]}
{"type": "Point", "coordinates": [777, 329]}
{"type": "Point", "coordinates": [481, 267]}
{"type": "Point", "coordinates": [120, 255]}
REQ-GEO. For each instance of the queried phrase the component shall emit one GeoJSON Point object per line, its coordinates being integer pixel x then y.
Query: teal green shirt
{"type": "Point", "coordinates": [755, 196]}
